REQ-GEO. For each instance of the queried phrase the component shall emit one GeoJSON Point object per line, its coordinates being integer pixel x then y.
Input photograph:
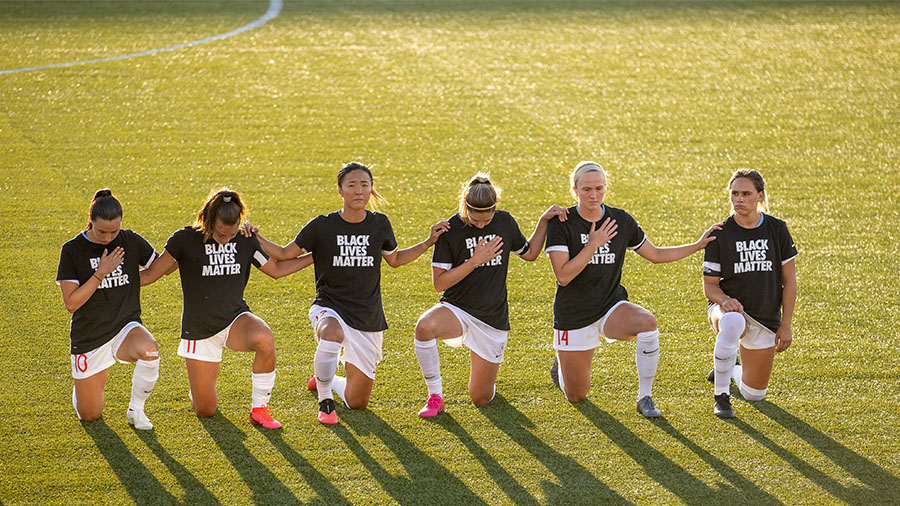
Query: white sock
{"type": "Point", "coordinates": [647, 358]}
{"type": "Point", "coordinates": [75, 403]}
{"type": "Point", "coordinates": [339, 385]}
{"type": "Point", "coordinates": [731, 326]}
{"type": "Point", "coordinates": [325, 365]}
{"type": "Point", "coordinates": [559, 375]}
{"type": "Point", "coordinates": [736, 376]}
{"type": "Point", "coordinates": [430, 363]}
{"type": "Point", "coordinates": [146, 372]}
{"type": "Point", "coordinates": [263, 383]}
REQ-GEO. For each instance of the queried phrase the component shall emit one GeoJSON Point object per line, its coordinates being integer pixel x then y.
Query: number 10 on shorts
{"type": "Point", "coordinates": [562, 337]}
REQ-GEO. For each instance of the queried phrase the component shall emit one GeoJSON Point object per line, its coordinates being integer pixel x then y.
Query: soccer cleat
{"type": "Point", "coordinates": [646, 407]}
{"type": "Point", "coordinates": [434, 406]}
{"type": "Point", "coordinates": [712, 374]}
{"type": "Point", "coordinates": [311, 384]}
{"type": "Point", "coordinates": [137, 418]}
{"type": "Point", "coordinates": [327, 414]}
{"type": "Point", "coordinates": [554, 372]}
{"type": "Point", "coordinates": [261, 416]}
{"type": "Point", "coordinates": [722, 406]}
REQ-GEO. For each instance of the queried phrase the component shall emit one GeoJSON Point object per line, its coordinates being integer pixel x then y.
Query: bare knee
{"type": "Point", "coordinates": [646, 322]}
{"type": "Point", "coordinates": [89, 415]}
{"type": "Point", "coordinates": [263, 342]}
{"type": "Point", "coordinates": [426, 329]}
{"type": "Point", "coordinates": [357, 404]}
{"type": "Point", "coordinates": [149, 352]}
{"type": "Point", "coordinates": [204, 411]}
{"type": "Point", "coordinates": [481, 396]}
{"type": "Point", "coordinates": [576, 396]}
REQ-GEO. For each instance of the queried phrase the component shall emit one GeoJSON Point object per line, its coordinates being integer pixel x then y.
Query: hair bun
{"type": "Point", "coordinates": [106, 192]}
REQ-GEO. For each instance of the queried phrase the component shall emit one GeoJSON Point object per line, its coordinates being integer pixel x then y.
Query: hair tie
{"type": "Point", "coordinates": [226, 198]}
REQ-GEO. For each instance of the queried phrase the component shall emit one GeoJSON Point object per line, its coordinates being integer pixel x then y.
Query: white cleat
{"type": "Point", "coordinates": [137, 418]}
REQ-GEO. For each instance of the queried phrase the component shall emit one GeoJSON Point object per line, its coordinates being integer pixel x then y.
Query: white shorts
{"type": "Point", "coordinates": [755, 337]}
{"type": "Point", "coordinates": [486, 341]}
{"type": "Point", "coordinates": [85, 365]}
{"type": "Point", "coordinates": [361, 348]}
{"type": "Point", "coordinates": [585, 338]}
{"type": "Point", "coordinates": [209, 349]}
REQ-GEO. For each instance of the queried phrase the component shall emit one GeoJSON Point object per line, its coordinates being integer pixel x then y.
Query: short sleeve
{"type": "Point", "coordinates": [259, 257]}
{"type": "Point", "coordinates": [442, 256]}
{"type": "Point", "coordinates": [712, 265]}
{"type": "Point", "coordinates": [306, 238]}
{"type": "Point", "coordinates": [175, 245]}
{"type": "Point", "coordinates": [637, 237]}
{"type": "Point", "coordinates": [557, 239]}
{"type": "Point", "coordinates": [390, 242]}
{"type": "Point", "coordinates": [146, 253]}
{"type": "Point", "coordinates": [519, 243]}
{"type": "Point", "coordinates": [788, 249]}
{"type": "Point", "coordinates": [66, 270]}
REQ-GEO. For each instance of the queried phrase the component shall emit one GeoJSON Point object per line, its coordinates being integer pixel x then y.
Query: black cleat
{"type": "Point", "coordinates": [646, 407]}
{"type": "Point", "coordinates": [554, 372]}
{"type": "Point", "coordinates": [722, 406]}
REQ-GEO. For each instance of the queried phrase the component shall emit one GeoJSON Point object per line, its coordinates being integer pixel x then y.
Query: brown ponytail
{"type": "Point", "coordinates": [224, 205]}
{"type": "Point", "coordinates": [478, 195]}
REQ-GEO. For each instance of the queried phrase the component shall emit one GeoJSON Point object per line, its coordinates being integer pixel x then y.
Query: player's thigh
{"type": "Point", "coordinates": [575, 367]}
{"type": "Point", "coordinates": [89, 395]}
{"type": "Point", "coordinates": [138, 345]}
{"type": "Point", "coordinates": [714, 314]}
{"type": "Point", "coordinates": [438, 323]}
{"type": "Point", "coordinates": [250, 333]}
{"type": "Point", "coordinates": [756, 367]}
{"type": "Point", "coordinates": [358, 389]}
{"type": "Point", "coordinates": [202, 378]}
{"type": "Point", "coordinates": [329, 329]}
{"type": "Point", "coordinates": [627, 321]}
{"type": "Point", "coordinates": [482, 377]}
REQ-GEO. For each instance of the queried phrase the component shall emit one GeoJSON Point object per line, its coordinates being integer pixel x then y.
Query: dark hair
{"type": "Point", "coordinates": [350, 167]}
{"type": "Point", "coordinates": [758, 183]}
{"type": "Point", "coordinates": [223, 205]}
{"type": "Point", "coordinates": [478, 195]}
{"type": "Point", "coordinates": [104, 206]}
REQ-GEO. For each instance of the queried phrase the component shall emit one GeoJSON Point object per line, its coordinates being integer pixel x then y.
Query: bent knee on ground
{"type": "Point", "coordinates": [89, 415]}
{"type": "Point", "coordinates": [205, 411]}
{"type": "Point", "coordinates": [357, 403]}
{"type": "Point", "coordinates": [576, 396]}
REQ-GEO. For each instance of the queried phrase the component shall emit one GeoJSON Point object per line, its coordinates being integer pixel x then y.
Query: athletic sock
{"type": "Point", "coordinates": [146, 372]}
{"type": "Point", "coordinates": [263, 383]}
{"type": "Point", "coordinates": [731, 326]}
{"type": "Point", "coordinates": [559, 376]}
{"type": "Point", "coordinates": [736, 374]}
{"type": "Point", "coordinates": [430, 363]}
{"type": "Point", "coordinates": [75, 403]}
{"type": "Point", "coordinates": [339, 384]}
{"type": "Point", "coordinates": [647, 359]}
{"type": "Point", "coordinates": [325, 365]}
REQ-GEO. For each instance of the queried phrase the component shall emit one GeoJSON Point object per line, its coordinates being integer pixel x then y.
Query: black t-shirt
{"type": "Point", "coordinates": [482, 293]}
{"type": "Point", "coordinates": [117, 301]}
{"type": "Point", "coordinates": [213, 278]}
{"type": "Point", "coordinates": [347, 260]}
{"type": "Point", "coordinates": [598, 287]}
{"type": "Point", "coordinates": [749, 261]}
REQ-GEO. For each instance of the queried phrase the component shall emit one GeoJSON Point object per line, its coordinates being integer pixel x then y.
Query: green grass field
{"type": "Point", "coordinates": [670, 96]}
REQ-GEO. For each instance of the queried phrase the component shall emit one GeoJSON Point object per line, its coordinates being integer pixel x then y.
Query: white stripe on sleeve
{"type": "Point", "coordinates": [788, 260]}
{"type": "Point", "coordinates": [712, 267]}
{"type": "Point", "coordinates": [61, 281]}
{"type": "Point", "coordinates": [440, 265]}
{"type": "Point", "coordinates": [557, 248]}
{"type": "Point", "coordinates": [259, 257]}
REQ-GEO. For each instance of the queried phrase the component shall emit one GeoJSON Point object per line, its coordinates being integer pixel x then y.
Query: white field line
{"type": "Point", "coordinates": [272, 13]}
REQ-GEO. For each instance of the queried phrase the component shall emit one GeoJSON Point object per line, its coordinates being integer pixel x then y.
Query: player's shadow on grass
{"type": "Point", "coordinates": [265, 486]}
{"type": "Point", "coordinates": [577, 483]}
{"type": "Point", "coordinates": [138, 481]}
{"type": "Point", "coordinates": [195, 492]}
{"type": "Point", "coordinates": [666, 472]}
{"type": "Point", "coordinates": [883, 487]}
{"type": "Point", "coordinates": [428, 482]}
{"type": "Point", "coordinates": [513, 490]}
{"type": "Point", "coordinates": [748, 491]}
{"type": "Point", "coordinates": [328, 493]}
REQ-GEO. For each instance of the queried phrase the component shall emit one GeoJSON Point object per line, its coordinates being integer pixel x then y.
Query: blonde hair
{"type": "Point", "coordinates": [224, 205]}
{"type": "Point", "coordinates": [478, 195]}
{"type": "Point", "coordinates": [583, 168]}
{"type": "Point", "coordinates": [758, 183]}
{"type": "Point", "coordinates": [376, 198]}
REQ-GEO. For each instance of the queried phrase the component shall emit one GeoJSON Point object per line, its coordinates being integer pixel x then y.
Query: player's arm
{"type": "Point", "coordinates": [565, 268]}
{"type": "Point", "coordinates": [659, 255]}
{"type": "Point", "coordinates": [536, 241]}
{"type": "Point", "coordinates": [784, 336]}
{"type": "Point", "coordinates": [286, 252]}
{"type": "Point", "coordinates": [714, 293]}
{"type": "Point", "coordinates": [484, 251]}
{"type": "Point", "coordinates": [164, 265]}
{"type": "Point", "coordinates": [404, 256]}
{"type": "Point", "coordinates": [75, 295]}
{"type": "Point", "coordinates": [279, 268]}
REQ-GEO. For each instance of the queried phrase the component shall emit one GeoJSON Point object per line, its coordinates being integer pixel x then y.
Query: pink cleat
{"type": "Point", "coordinates": [327, 413]}
{"type": "Point", "coordinates": [434, 406]}
{"type": "Point", "coordinates": [311, 384]}
{"type": "Point", "coordinates": [261, 416]}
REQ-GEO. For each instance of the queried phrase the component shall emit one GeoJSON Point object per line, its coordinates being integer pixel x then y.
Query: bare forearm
{"type": "Point", "coordinates": [788, 301]}
{"type": "Point", "coordinates": [536, 241]}
{"type": "Point", "coordinates": [454, 275]}
{"type": "Point", "coordinates": [672, 253]}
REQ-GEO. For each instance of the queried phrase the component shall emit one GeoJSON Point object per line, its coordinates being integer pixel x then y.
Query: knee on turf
{"type": "Point", "coordinates": [753, 394]}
